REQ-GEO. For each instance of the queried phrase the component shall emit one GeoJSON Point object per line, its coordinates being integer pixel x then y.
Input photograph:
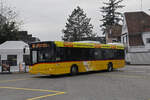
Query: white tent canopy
{"type": "Point", "coordinates": [18, 48]}
{"type": "Point", "coordinates": [14, 46]}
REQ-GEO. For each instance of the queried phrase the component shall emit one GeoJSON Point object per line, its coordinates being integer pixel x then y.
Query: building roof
{"type": "Point", "coordinates": [13, 45]}
{"type": "Point", "coordinates": [98, 39]}
{"type": "Point", "coordinates": [137, 23]}
{"type": "Point", "coordinates": [24, 36]}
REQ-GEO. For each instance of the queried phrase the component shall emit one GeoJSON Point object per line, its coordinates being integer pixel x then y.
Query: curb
{"type": "Point", "coordinates": [5, 72]}
{"type": "Point", "coordinates": [19, 72]}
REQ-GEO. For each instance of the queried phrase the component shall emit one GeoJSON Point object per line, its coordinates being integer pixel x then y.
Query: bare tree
{"type": "Point", "coordinates": [9, 24]}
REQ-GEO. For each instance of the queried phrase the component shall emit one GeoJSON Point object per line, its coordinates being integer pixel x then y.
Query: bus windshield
{"type": "Point", "coordinates": [42, 52]}
{"type": "Point", "coordinates": [44, 55]}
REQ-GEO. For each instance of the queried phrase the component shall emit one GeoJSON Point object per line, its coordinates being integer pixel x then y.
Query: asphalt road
{"type": "Point", "coordinates": [129, 83]}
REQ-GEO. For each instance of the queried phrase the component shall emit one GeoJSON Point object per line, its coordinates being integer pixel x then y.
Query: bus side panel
{"type": "Point", "coordinates": [42, 68]}
{"type": "Point", "coordinates": [65, 67]}
{"type": "Point", "coordinates": [118, 63]}
{"type": "Point", "coordinates": [98, 65]}
{"type": "Point", "coordinates": [103, 64]}
{"type": "Point", "coordinates": [48, 69]}
{"type": "Point", "coordinates": [56, 68]}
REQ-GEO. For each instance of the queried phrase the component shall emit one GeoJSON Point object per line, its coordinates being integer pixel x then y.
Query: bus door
{"type": "Point", "coordinates": [34, 57]}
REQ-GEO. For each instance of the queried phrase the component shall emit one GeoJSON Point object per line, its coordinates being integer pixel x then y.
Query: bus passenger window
{"type": "Point", "coordinates": [98, 54]}
{"type": "Point", "coordinates": [46, 56]}
{"type": "Point", "coordinates": [60, 54]}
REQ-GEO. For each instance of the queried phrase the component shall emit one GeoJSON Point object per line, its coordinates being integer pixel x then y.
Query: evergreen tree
{"type": "Point", "coordinates": [77, 27]}
{"type": "Point", "coordinates": [110, 15]}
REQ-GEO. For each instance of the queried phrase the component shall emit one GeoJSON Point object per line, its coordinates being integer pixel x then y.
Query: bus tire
{"type": "Point", "coordinates": [74, 70]}
{"type": "Point", "coordinates": [110, 67]}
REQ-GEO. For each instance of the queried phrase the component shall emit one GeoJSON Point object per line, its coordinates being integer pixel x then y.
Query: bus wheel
{"type": "Point", "coordinates": [74, 70]}
{"type": "Point", "coordinates": [110, 67]}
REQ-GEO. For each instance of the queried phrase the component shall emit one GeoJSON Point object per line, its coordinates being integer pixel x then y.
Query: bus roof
{"type": "Point", "coordinates": [87, 45]}
{"type": "Point", "coordinates": [76, 45]}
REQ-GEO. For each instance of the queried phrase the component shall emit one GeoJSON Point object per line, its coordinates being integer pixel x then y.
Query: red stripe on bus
{"type": "Point", "coordinates": [71, 61]}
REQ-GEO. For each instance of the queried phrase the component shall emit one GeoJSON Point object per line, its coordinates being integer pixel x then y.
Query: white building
{"type": "Point", "coordinates": [136, 37]}
{"type": "Point", "coordinates": [15, 53]}
{"type": "Point", "coordinates": [113, 35]}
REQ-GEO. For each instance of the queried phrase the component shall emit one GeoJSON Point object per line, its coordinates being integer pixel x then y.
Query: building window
{"type": "Point", "coordinates": [126, 38]}
{"type": "Point", "coordinates": [12, 60]}
{"type": "Point", "coordinates": [148, 40]}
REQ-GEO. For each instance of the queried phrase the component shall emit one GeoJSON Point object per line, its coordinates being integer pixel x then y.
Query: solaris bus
{"type": "Point", "coordinates": [57, 57]}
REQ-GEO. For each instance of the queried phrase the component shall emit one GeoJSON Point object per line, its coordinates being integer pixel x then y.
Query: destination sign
{"type": "Point", "coordinates": [40, 45]}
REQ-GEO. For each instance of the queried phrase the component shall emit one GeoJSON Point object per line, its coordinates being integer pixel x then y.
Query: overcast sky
{"type": "Point", "coordinates": [46, 18]}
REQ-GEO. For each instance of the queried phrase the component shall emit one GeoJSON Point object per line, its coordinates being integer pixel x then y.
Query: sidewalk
{"type": "Point", "coordinates": [138, 66]}
{"type": "Point", "coordinates": [13, 72]}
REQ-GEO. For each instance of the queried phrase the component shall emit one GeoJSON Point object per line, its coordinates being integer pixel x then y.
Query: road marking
{"type": "Point", "coordinates": [39, 90]}
{"type": "Point", "coordinates": [125, 76]}
{"type": "Point", "coordinates": [44, 96]}
{"type": "Point", "coordinates": [14, 80]}
{"type": "Point", "coordinates": [28, 89]}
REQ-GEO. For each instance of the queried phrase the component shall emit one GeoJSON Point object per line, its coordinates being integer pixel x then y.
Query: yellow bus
{"type": "Point", "coordinates": [57, 57]}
